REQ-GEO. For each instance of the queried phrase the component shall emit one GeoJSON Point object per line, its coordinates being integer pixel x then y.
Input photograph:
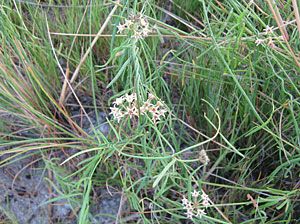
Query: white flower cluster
{"type": "Point", "coordinates": [192, 209]}
{"type": "Point", "coordinates": [136, 24]}
{"type": "Point", "coordinates": [127, 106]}
{"type": "Point", "coordinates": [268, 31]}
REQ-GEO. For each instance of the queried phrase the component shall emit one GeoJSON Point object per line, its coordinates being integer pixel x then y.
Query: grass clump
{"type": "Point", "coordinates": [211, 106]}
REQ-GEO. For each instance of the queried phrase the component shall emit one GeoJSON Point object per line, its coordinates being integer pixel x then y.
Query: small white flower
{"type": "Point", "coordinates": [200, 213]}
{"type": "Point", "coordinates": [121, 28]}
{"type": "Point", "coordinates": [204, 196]}
{"type": "Point", "coordinates": [195, 194]}
{"type": "Point", "coordinates": [146, 107]}
{"type": "Point", "coordinates": [271, 43]}
{"type": "Point", "coordinates": [130, 98]}
{"type": "Point", "coordinates": [128, 23]}
{"type": "Point", "coordinates": [145, 32]}
{"type": "Point", "coordinates": [137, 35]}
{"type": "Point", "coordinates": [116, 113]}
{"type": "Point", "coordinates": [162, 112]}
{"type": "Point", "coordinates": [154, 109]}
{"type": "Point", "coordinates": [151, 96]}
{"type": "Point", "coordinates": [205, 203]}
{"type": "Point", "coordinates": [159, 104]}
{"type": "Point", "coordinates": [155, 118]}
{"type": "Point", "coordinates": [269, 29]}
{"type": "Point", "coordinates": [132, 111]}
{"type": "Point", "coordinates": [184, 201]}
{"type": "Point", "coordinates": [188, 206]}
{"type": "Point", "coordinates": [119, 101]}
{"type": "Point", "coordinates": [205, 199]}
{"type": "Point", "coordinates": [259, 41]}
{"type": "Point", "coordinates": [189, 214]}
{"type": "Point", "coordinates": [143, 22]}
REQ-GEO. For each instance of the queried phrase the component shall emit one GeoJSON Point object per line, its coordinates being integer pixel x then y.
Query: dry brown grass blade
{"type": "Point", "coordinates": [67, 76]}
{"type": "Point", "coordinates": [275, 11]}
{"type": "Point", "coordinates": [60, 106]}
{"type": "Point", "coordinates": [76, 72]}
{"type": "Point", "coordinates": [64, 88]}
{"type": "Point", "coordinates": [282, 28]}
{"type": "Point", "coordinates": [296, 11]}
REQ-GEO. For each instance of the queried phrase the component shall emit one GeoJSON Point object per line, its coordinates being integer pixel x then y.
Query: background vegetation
{"type": "Point", "coordinates": [227, 93]}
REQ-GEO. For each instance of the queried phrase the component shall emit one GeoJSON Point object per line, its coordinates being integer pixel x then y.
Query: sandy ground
{"type": "Point", "coordinates": [24, 191]}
